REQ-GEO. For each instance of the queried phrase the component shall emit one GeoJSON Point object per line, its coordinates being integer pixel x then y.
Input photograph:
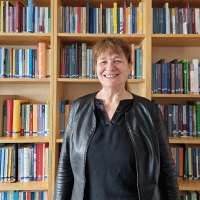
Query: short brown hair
{"type": "Point", "coordinates": [111, 44]}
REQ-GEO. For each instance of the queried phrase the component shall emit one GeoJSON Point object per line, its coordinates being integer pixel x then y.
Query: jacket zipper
{"type": "Point", "coordinates": [134, 152]}
{"type": "Point", "coordinates": [86, 154]}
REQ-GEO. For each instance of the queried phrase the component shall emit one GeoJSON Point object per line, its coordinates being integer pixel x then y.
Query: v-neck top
{"type": "Point", "coordinates": [110, 163]}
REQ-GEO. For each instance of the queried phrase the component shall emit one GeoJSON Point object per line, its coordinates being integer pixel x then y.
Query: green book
{"type": "Point", "coordinates": [185, 75]}
{"type": "Point", "coordinates": [137, 63]}
{"type": "Point", "coordinates": [197, 104]}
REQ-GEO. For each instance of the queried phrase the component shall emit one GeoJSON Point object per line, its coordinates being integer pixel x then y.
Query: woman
{"type": "Point", "coordinates": [115, 145]}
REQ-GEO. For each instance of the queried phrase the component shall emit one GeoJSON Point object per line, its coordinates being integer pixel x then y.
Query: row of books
{"type": "Point", "coordinates": [24, 163]}
{"type": "Point", "coordinates": [33, 162]}
{"type": "Point", "coordinates": [176, 77]}
{"type": "Point", "coordinates": [25, 63]}
{"type": "Point", "coordinates": [123, 20]}
{"type": "Point", "coordinates": [181, 120]}
{"type": "Point", "coordinates": [21, 195]}
{"type": "Point", "coordinates": [193, 195]}
{"type": "Point", "coordinates": [77, 62]}
{"type": "Point", "coordinates": [176, 20]}
{"type": "Point", "coordinates": [18, 18]}
{"type": "Point", "coordinates": [20, 118]}
{"type": "Point", "coordinates": [187, 162]}
{"type": "Point", "coordinates": [64, 108]}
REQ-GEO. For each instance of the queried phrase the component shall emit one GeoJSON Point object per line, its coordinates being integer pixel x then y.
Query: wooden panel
{"type": "Point", "coordinates": [189, 185]}
{"type": "Point", "coordinates": [25, 139]}
{"type": "Point", "coordinates": [184, 140]}
{"type": "Point", "coordinates": [32, 185]}
{"type": "Point", "coordinates": [176, 40]}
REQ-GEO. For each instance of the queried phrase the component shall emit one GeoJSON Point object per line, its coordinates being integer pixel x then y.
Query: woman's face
{"type": "Point", "coordinates": [112, 69]}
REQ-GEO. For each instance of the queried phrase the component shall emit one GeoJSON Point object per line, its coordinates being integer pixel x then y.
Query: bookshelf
{"type": "Point", "coordinates": [38, 91]}
{"type": "Point", "coordinates": [155, 47]}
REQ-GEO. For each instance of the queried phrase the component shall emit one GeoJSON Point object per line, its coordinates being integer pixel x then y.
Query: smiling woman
{"type": "Point", "coordinates": [115, 144]}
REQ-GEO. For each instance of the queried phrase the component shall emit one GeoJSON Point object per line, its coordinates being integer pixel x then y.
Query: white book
{"type": "Point", "coordinates": [97, 20]}
{"type": "Point", "coordinates": [173, 22]}
{"type": "Point", "coordinates": [167, 16]}
{"type": "Point", "coordinates": [27, 75]}
{"type": "Point", "coordinates": [46, 119]}
{"type": "Point", "coordinates": [7, 17]}
{"type": "Point", "coordinates": [48, 62]}
{"type": "Point", "coordinates": [2, 64]}
{"type": "Point", "coordinates": [197, 20]}
{"type": "Point", "coordinates": [27, 17]}
{"type": "Point", "coordinates": [184, 21]}
{"type": "Point", "coordinates": [88, 63]}
{"type": "Point", "coordinates": [121, 20]}
{"type": "Point", "coordinates": [141, 14]}
{"type": "Point", "coordinates": [5, 175]}
{"type": "Point", "coordinates": [20, 63]}
{"type": "Point", "coordinates": [196, 80]}
{"type": "Point", "coordinates": [26, 164]}
{"type": "Point", "coordinates": [108, 20]}
{"type": "Point", "coordinates": [36, 20]}
{"type": "Point", "coordinates": [46, 27]}
{"type": "Point", "coordinates": [192, 80]}
{"type": "Point", "coordinates": [41, 20]}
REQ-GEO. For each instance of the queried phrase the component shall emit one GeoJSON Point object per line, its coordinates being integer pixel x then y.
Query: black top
{"type": "Point", "coordinates": [110, 163]}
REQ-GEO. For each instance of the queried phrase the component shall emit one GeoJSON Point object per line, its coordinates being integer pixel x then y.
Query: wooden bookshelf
{"type": "Point", "coordinates": [155, 47]}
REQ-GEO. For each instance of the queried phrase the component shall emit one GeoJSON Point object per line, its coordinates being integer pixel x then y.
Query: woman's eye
{"type": "Point", "coordinates": [117, 61]}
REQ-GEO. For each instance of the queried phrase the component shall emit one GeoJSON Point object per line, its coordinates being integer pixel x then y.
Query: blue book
{"type": "Point", "coordinates": [131, 18]}
{"type": "Point", "coordinates": [70, 63]}
{"type": "Point", "coordinates": [7, 74]}
{"type": "Point", "coordinates": [118, 20]}
{"type": "Point", "coordinates": [62, 125]}
{"type": "Point", "coordinates": [165, 79]}
{"type": "Point", "coordinates": [185, 167]}
{"type": "Point", "coordinates": [168, 78]}
{"type": "Point", "coordinates": [16, 194]}
{"type": "Point", "coordinates": [30, 13]}
{"type": "Point", "coordinates": [156, 78]}
{"type": "Point", "coordinates": [16, 63]}
{"type": "Point", "coordinates": [41, 195]}
{"type": "Point", "coordinates": [30, 64]}
{"type": "Point", "coordinates": [14, 19]}
{"type": "Point", "coordinates": [162, 63]}
{"type": "Point", "coordinates": [94, 21]}
{"type": "Point", "coordinates": [177, 162]}
{"type": "Point", "coordinates": [23, 63]}
{"type": "Point", "coordinates": [72, 68]}
{"type": "Point", "coordinates": [164, 20]}
{"type": "Point", "coordinates": [190, 121]}
{"type": "Point", "coordinates": [73, 20]}
{"type": "Point", "coordinates": [2, 164]}
{"type": "Point", "coordinates": [135, 20]}
{"type": "Point", "coordinates": [137, 63]}
{"type": "Point", "coordinates": [24, 20]}
{"type": "Point", "coordinates": [67, 20]}
{"type": "Point", "coordinates": [87, 17]}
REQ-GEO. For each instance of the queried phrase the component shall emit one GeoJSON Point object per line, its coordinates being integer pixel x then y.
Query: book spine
{"type": "Point", "coordinates": [9, 117]}
{"type": "Point", "coordinates": [31, 121]}
{"type": "Point", "coordinates": [39, 164]}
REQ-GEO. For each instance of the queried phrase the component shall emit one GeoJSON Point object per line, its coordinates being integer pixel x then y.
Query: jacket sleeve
{"type": "Point", "coordinates": [65, 178]}
{"type": "Point", "coordinates": [168, 178]}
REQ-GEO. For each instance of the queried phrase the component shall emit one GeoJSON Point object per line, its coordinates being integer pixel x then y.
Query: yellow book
{"type": "Point", "coordinates": [2, 5]}
{"type": "Point", "coordinates": [173, 21]}
{"type": "Point", "coordinates": [42, 60]}
{"type": "Point", "coordinates": [84, 19]}
{"type": "Point", "coordinates": [115, 17]}
{"type": "Point", "coordinates": [13, 62]}
{"type": "Point", "coordinates": [17, 117]}
{"type": "Point", "coordinates": [127, 21]}
{"type": "Point", "coordinates": [35, 119]}
{"type": "Point", "coordinates": [140, 18]}
{"type": "Point", "coordinates": [66, 113]}
{"type": "Point", "coordinates": [10, 152]}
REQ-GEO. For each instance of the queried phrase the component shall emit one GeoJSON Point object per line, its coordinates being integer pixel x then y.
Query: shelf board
{"type": "Point", "coordinates": [24, 38]}
{"type": "Point", "coordinates": [175, 95]}
{"type": "Point", "coordinates": [184, 140]}
{"type": "Point", "coordinates": [74, 80]}
{"type": "Point", "coordinates": [59, 139]}
{"type": "Point", "coordinates": [24, 80]}
{"type": "Point", "coordinates": [24, 139]}
{"type": "Point", "coordinates": [191, 185]}
{"type": "Point", "coordinates": [90, 39]}
{"type": "Point", "coordinates": [176, 40]}
{"type": "Point", "coordinates": [32, 185]}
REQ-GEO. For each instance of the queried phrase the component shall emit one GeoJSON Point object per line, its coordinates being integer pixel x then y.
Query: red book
{"type": "Point", "coordinates": [39, 162]}
{"type": "Point", "coordinates": [9, 117]}
{"type": "Point", "coordinates": [28, 195]}
{"type": "Point", "coordinates": [124, 18]}
{"type": "Point", "coordinates": [12, 19]}
{"type": "Point", "coordinates": [37, 61]}
{"type": "Point", "coordinates": [31, 121]}
{"type": "Point", "coordinates": [19, 16]}
{"type": "Point", "coordinates": [193, 21]}
{"type": "Point", "coordinates": [79, 19]}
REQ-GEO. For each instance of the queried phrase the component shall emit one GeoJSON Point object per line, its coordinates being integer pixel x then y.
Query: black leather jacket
{"type": "Point", "coordinates": [155, 167]}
